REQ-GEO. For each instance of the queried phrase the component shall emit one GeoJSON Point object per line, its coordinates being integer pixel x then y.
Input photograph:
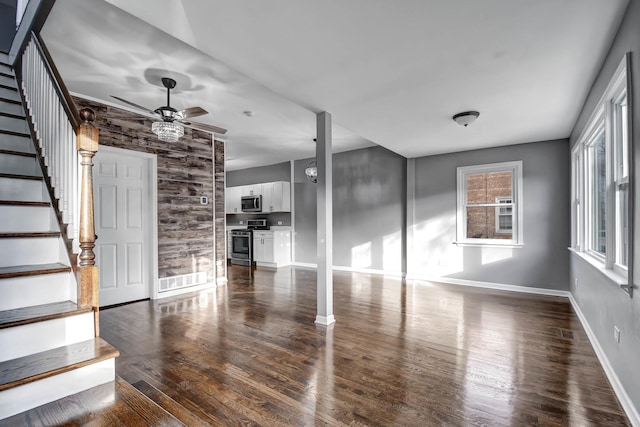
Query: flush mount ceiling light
{"type": "Point", "coordinates": [466, 118]}
{"type": "Point", "coordinates": [312, 172]}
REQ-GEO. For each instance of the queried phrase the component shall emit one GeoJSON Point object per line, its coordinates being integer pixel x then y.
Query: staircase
{"type": "Point", "coordinates": [48, 343]}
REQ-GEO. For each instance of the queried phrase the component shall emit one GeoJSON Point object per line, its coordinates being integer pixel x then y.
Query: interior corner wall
{"type": "Point", "coordinates": [543, 260]}
{"type": "Point", "coordinates": [185, 173]}
{"type": "Point", "coordinates": [368, 210]}
{"type": "Point", "coordinates": [603, 304]}
{"type": "Point", "coordinates": [220, 210]}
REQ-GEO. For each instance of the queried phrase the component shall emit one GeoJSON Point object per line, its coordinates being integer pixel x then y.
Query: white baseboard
{"type": "Point", "coordinates": [352, 269]}
{"type": "Point", "coordinates": [490, 285]}
{"type": "Point", "coordinates": [185, 290]}
{"type": "Point", "coordinates": [623, 397]}
{"type": "Point", "coordinates": [325, 320]}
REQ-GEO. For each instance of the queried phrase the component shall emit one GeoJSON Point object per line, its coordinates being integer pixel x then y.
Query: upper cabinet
{"type": "Point", "coordinates": [232, 199]}
{"type": "Point", "coordinates": [276, 196]}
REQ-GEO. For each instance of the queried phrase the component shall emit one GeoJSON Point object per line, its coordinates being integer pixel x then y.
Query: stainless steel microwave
{"type": "Point", "coordinates": [251, 203]}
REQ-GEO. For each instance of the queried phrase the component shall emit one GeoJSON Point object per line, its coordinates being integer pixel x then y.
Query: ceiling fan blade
{"type": "Point", "coordinates": [139, 107]}
{"type": "Point", "coordinates": [192, 112]}
{"type": "Point", "coordinates": [202, 126]}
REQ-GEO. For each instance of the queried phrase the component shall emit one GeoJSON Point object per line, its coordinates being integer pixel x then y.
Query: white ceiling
{"type": "Point", "coordinates": [389, 72]}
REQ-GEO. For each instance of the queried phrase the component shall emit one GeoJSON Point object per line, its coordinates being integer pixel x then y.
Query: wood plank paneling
{"type": "Point", "coordinates": [185, 173]}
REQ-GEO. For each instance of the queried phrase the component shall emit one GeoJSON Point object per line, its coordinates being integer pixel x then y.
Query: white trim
{"type": "Point", "coordinates": [352, 269]}
{"type": "Point", "coordinates": [325, 320]}
{"type": "Point", "coordinates": [185, 290]}
{"type": "Point", "coordinates": [623, 397]}
{"type": "Point", "coordinates": [490, 285]}
{"type": "Point", "coordinates": [153, 177]}
{"type": "Point", "coordinates": [517, 197]}
{"type": "Point", "coordinates": [222, 281]}
{"type": "Point", "coordinates": [292, 207]}
{"type": "Point", "coordinates": [615, 278]}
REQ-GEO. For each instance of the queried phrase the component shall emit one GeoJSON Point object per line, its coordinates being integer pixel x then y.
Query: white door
{"type": "Point", "coordinates": [123, 219]}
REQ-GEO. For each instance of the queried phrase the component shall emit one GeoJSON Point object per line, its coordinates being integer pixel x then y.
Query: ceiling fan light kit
{"type": "Point", "coordinates": [167, 131]}
{"type": "Point", "coordinates": [171, 128]}
{"type": "Point", "coordinates": [466, 118]}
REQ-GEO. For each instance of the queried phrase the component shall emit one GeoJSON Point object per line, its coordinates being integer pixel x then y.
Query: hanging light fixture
{"type": "Point", "coordinates": [466, 118]}
{"type": "Point", "coordinates": [167, 131]}
{"type": "Point", "coordinates": [312, 171]}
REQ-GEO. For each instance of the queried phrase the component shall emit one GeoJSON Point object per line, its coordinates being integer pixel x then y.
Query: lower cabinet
{"type": "Point", "coordinates": [272, 248]}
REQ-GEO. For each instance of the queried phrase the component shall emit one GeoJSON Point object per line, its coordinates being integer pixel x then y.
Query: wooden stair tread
{"type": "Point", "coordinates": [10, 101]}
{"type": "Point", "coordinates": [13, 133]}
{"type": "Point", "coordinates": [5, 74]}
{"type": "Point", "coordinates": [168, 404]}
{"type": "Point", "coordinates": [24, 203]}
{"type": "Point", "coordinates": [17, 153]}
{"type": "Point", "coordinates": [39, 313]}
{"type": "Point", "coordinates": [17, 176]}
{"type": "Point", "coordinates": [33, 367]}
{"type": "Point", "coordinates": [30, 234]}
{"type": "Point", "coordinates": [114, 403]}
{"type": "Point", "coordinates": [8, 87]}
{"type": "Point", "coordinates": [13, 116]}
{"type": "Point", "coordinates": [32, 270]}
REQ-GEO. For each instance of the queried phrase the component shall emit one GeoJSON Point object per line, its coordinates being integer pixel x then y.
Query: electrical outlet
{"type": "Point", "coordinates": [575, 282]}
{"type": "Point", "coordinates": [279, 222]}
{"type": "Point", "coordinates": [616, 334]}
{"type": "Point", "coordinates": [240, 222]}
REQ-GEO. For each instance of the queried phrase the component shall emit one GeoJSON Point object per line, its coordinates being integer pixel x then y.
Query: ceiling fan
{"type": "Point", "coordinates": [170, 128]}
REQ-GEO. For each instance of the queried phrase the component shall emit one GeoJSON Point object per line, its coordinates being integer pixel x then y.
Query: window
{"type": "Point", "coordinates": [490, 204]}
{"type": "Point", "coordinates": [504, 219]}
{"type": "Point", "coordinates": [600, 181]}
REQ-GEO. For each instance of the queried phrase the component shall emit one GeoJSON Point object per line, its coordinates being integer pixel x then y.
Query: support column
{"type": "Point", "coordinates": [324, 197]}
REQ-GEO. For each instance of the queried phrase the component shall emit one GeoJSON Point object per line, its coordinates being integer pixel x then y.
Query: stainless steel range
{"type": "Point", "coordinates": [242, 240]}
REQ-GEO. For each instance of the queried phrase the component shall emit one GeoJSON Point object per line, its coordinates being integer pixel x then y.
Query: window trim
{"type": "Point", "coordinates": [605, 117]}
{"type": "Point", "coordinates": [517, 207]}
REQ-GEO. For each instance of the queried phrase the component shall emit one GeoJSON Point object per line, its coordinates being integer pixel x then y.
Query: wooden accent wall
{"type": "Point", "coordinates": [185, 173]}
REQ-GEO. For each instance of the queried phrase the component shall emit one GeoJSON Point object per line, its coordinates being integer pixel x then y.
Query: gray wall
{"type": "Point", "coordinates": [602, 302]}
{"type": "Point", "coordinates": [258, 175]}
{"type": "Point", "coordinates": [541, 263]}
{"type": "Point", "coordinates": [368, 210]}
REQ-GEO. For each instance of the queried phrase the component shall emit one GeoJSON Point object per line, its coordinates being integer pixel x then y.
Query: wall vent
{"type": "Point", "coordinates": [182, 281]}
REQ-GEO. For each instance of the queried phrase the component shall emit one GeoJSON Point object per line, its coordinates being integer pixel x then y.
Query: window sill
{"type": "Point", "coordinates": [617, 278]}
{"type": "Point", "coordinates": [489, 245]}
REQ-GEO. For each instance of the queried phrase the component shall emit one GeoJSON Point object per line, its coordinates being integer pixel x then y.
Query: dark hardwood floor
{"type": "Point", "coordinates": [400, 354]}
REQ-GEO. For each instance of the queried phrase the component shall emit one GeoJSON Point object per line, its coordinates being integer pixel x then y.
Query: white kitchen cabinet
{"type": "Point", "coordinates": [276, 196]}
{"type": "Point", "coordinates": [232, 199]}
{"type": "Point", "coordinates": [251, 190]}
{"type": "Point", "coordinates": [272, 248]}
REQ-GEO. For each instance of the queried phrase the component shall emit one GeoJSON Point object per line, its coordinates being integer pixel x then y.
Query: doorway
{"type": "Point", "coordinates": [126, 224]}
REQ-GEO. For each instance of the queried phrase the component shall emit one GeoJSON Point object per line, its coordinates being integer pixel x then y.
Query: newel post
{"type": "Point", "coordinates": [87, 145]}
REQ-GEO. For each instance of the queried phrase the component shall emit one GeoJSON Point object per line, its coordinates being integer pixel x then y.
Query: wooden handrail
{"type": "Point", "coordinates": [56, 79]}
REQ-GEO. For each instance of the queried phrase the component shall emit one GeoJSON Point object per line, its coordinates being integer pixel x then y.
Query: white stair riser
{"type": "Point", "coordinates": [22, 189]}
{"type": "Point", "coordinates": [23, 340]}
{"type": "Point", "coordinates": [26, 218]}
{"type": "Point", "coordinates": [7, 81]}
{"type": "Point", "coordinates": [19, 165]}
{"type": "Point", "coordinates": [22, 398]}
{"type": "Point", "coordinates": [26, 291]}
{"type": "Point", "coordinates": [13, 124]}
{"type": "Point", "coordinates": [9, 94]}
{"type": "Point", "coordinates": [11, 108]}
{"type": "Point", "coordinates": [16, 143]}
{"type": "Point", "coordinates": [28, 251]}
